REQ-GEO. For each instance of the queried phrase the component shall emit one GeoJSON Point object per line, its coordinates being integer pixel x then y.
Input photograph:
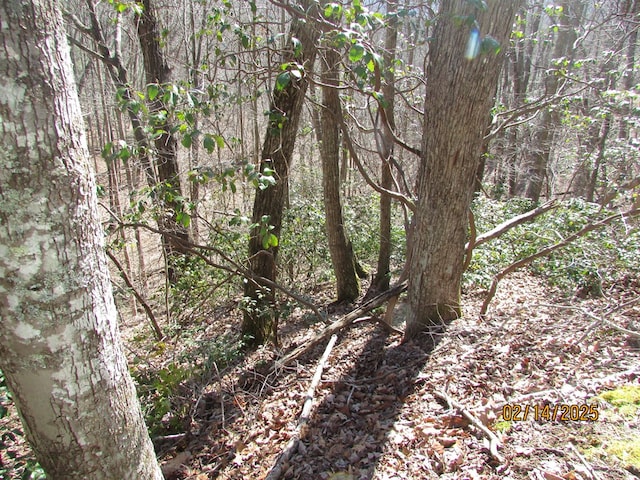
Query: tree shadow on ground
{"type": "Point", "coordinates": [359, 408]}
{"type": "Point", "coordinates": [369, 377]}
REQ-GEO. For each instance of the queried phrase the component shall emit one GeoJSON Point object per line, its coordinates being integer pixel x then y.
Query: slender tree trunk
{"type": "Point", "coordinates": [631, 10]}
{"type": "Point", "coordinates": [386, 117]}
{"type": "Point", "coordinates": [545, 131]}
{"type": "Point", "coordinates": [157, 71]}
{"type": "Point", "coordinates": [347, 284]}
{"type": "Point", "coordinates": [59, 345]}
{"type": "Point", "coordinates": [459, 96]}
{"type": "Point", "coordinates": [260, 318]}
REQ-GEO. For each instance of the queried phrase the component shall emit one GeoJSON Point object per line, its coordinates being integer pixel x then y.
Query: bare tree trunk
{"type": "Point", "coordinates": [157, 71]}
{"type": "Point", "coordinates": [347, 284]}
{"type": "Point", "coordinates": [260, 318]}
{"type": "Point", "coordinates": [459, 96]}
{"type": "Point", "coordinates": [544, 134]}
{"type": "Point", "coordinates": [59, 345]}
{"type": "Point", "coordinates": [631, 10]}
{"type": "Point", "coordinates": [381, 279]}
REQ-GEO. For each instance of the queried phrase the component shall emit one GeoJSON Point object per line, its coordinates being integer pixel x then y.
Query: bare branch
{"type": "Point", "coordinates": [546, 251]}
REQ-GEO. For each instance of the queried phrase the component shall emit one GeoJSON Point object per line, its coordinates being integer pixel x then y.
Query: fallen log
{"type": "Point", "coordinates": [277, 470]}
{"type": "Point", "coordinates": [341, 323]}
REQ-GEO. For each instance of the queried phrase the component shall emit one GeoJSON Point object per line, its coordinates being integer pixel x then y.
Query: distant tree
{"type": "Point", "coordinates": [542, 144]}
{"type": "Point", "coordinates": [340, 249]}
{"type": "Point", "coordinates": [260, 318]}
{"type": "Point", "coordinates": [157, 72]}
{"type": "Point", "coordinates": [59, 345]}
{"type": "Point", "coordinates": [155, 140]}
{"type": "Point", "coordinates": [385, 144]}
{"type": "Point", "coordinates": [465, 59]}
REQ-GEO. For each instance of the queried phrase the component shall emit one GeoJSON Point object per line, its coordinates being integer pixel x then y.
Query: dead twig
{"type": "Point", "coordinates": [584, 462]}
{"type": "Point", "coordinates": [277, 470]}
{"type": "Point", "coordinates": [596, 319]}
{"type": "Point", "coordinates": [494, 442]}
{"type": "Point", "coordinates": [152, 318]}
{"type": "Point", "coordinates": [384, 324]}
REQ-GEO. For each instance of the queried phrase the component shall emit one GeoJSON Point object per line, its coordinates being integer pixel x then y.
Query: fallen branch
{"type": "Point", "coordinates": [380, 321]}
{"type": "Point", "coordinates": [494, 442]}
{"type": "Point", "coordinates": [341, 323]}
{"type": "Point", "coordinates": [276, 472]}
{"type": "Point", "coordinates": [546, 251]}
{"type": "Point", "coordinates": [584, 462]}
{"type": "Point", "coordinates": [596, 319]}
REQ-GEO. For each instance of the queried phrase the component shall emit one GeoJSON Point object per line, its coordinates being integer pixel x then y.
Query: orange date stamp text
{"type": "Point", "coordinates": [559, 412]}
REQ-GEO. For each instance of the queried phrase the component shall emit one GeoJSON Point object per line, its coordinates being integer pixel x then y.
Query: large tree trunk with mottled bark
{"type": "Point", "coordinates": [342, 260]}
{"type": "Point", "coordinates": [60, 349]}
{"type": "Point", "coordinates": [260, 318]}
{"type": "Point", "coordinates": [460, 92]}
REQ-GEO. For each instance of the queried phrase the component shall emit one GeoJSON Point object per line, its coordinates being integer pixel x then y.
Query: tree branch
{"type": "Point", "coordinates": [546, 251]}
{"type": "Point", "coordinates": [140, 298]}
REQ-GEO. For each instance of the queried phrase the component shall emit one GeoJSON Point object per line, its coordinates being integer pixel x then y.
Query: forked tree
{"type": "Point", "coordinates": [59, 344]}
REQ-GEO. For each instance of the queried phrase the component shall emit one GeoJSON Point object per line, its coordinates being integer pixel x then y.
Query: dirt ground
{"type": "Point", "coordinates": [428, 408]}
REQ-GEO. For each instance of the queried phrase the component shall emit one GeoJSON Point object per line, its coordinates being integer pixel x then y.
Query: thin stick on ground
{"type": "Point", "coordinates": [584, 462]}
{"type": "Point", "coordinates": [596, 319]}
{"type": "Point", "coordinates": [494, 442]}
{"type": "Point", "coordinates": [277, 470]}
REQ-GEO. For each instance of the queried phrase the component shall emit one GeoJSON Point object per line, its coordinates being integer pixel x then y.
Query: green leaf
{"type": "Point", "coordinates": [489, 45]}
{"type": "Point", "coordinates": [209, 143]}
{"type": "Point", "coordinates": [219, 141]}
{"type": "Point", "coordinates": [152, 91]}
{"type": "Point", "coordinates": [186, 140]}
{"type": "Point", "coordinates": [356, 52]}
{"type": "Point", "coordinates": [297, 46]}
{"type": "Point", "coordinates": [283, 80]}
{"type": "Point", "coordinates": [269, 240]}
{"type": "Point", "coordinates": [183, 219]}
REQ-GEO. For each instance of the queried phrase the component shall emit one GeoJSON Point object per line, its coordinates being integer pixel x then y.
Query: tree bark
{"type": "Point", "coordinates": [260, 318]}
{"type": "Point", "coordinates": [544, 133]}
{"type": "Point", "coordinates": [157, 71]}
{"type": "Point", "coordinates": [59, 345]}
{"type": "Point", "coordinates": [459, 96]}
{"type": "Point", "coordinates": [381, 279]}
{"type": "Point", "coordinates": [347, 284]}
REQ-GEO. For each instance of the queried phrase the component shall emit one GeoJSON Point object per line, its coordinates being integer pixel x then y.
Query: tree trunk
{"type": "Point", "coordinates": [381, 279]}
{"type": "Point", "coordinates": [631, 9]}
{"type": "Point", "coordinates": [157, 71]}
{"type": "Point", "coordinates": [459, 96]}
{"type": "Point", "coordinates": [347, 284]}
{"type": "Point", "coordinates": [544, 134]}
{"type": "Point", "coordinates": [59, 345]}
{"type": "Point", "coordinates": [260, 318]}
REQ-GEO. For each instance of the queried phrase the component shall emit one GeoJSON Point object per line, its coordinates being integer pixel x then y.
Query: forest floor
{"type": "Point", "coordinates": [391, 410]}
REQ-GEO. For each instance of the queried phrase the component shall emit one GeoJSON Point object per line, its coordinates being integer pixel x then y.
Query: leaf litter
{"type": "Point", "coordinates": [379, 412]}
